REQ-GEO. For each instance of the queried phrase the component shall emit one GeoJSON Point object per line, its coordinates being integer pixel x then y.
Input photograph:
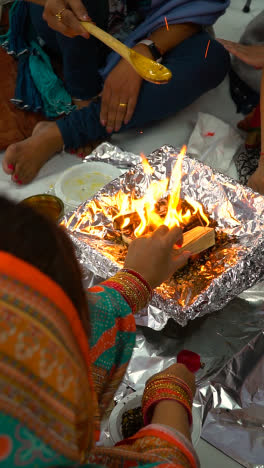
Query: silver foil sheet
{"type": "Point", "coordinates": [230, 387]}
{"type": "Point", "coordinates": [237, 210]}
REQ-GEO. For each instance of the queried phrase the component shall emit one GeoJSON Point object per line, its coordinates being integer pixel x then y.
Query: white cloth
{"type": "Point", "coordinates": [215, 143]}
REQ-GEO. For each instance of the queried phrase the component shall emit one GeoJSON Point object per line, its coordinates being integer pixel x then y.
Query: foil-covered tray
{"type": "Point", "coordinates": [230, 386]}
{"type": "Point", "coordinates": [226, 272]}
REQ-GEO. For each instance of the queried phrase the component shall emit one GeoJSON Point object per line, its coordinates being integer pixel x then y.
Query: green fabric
{"type": "Point", "coordinates": [37, 85]}
{"type": "Point", "coordinates": [106, 306]}
{"type": "Point", "coordinates": [26, 449]}
{"type": "Point", "coordinates": [56, 100]}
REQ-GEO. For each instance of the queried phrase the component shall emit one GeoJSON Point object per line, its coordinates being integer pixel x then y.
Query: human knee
{"type": "Point", "coordinates": [217, 63]}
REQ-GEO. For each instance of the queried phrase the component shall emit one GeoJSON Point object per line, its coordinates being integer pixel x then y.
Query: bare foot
{"type": "Point", "coordinates": [23, 160]}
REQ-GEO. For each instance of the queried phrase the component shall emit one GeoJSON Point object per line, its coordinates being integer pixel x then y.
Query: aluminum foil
{"type": "Point", "coordinates": [230, 387]}
{"type": "Point", "coordinates": [237, 210]}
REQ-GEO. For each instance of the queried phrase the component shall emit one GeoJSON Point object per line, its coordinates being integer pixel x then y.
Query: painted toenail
{"type": "Point", "coordinates": [16, 177]}
{"type": "Point", "coordinates": [81, 155]}
{"type": "Point", "coordinates": [19, 182]}
{"type": "Point", "coordinates": [10, 166]}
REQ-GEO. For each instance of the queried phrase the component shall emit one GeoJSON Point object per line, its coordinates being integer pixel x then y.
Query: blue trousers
{"type": "Point", "coordinates": [80, 58]}
{"type": "Point", "coordinates": [192, 76]}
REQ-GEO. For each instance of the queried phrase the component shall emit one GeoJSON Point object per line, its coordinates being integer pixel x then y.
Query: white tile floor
{"type": "Point", "coordinates": [175, 131]}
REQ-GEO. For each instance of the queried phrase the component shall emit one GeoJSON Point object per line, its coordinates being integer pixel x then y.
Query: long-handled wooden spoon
{"type": "Point", "coordinates": [145, 67]}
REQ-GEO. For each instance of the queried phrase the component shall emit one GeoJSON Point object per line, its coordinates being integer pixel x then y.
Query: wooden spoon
{"type": "Point", "coordinates": [145, 67]}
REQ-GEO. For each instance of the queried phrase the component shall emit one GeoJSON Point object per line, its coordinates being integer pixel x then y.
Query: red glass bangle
{"type": "Point", "coordinates": [138, 276]}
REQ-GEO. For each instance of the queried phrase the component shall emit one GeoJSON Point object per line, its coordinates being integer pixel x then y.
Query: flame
{"type": "Point", "coordinates": [141, 213]}
{"type": "Point", "coordinates": [146, 166]}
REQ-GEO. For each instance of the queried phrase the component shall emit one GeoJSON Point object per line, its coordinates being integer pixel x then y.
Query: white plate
{"type": "Point", "coordinates": [78, 183]}
{"type": "Point", "coordinates": [134, 401]}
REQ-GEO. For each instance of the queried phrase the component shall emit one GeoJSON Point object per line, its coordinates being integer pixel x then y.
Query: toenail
{"type": "Point", "coordinates": [16, 177]}
{"type": "Point", "coordinates": [19, 182]}
{"type": "Point", "coordinates": [10, 166]}
{"type": "Point", "coordinates": [81, 155]}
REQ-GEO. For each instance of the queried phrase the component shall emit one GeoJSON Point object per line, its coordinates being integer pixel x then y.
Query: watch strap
{"type": "Point", "coordinates": [153, 49]}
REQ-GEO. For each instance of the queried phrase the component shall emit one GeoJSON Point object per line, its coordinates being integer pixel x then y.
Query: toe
{"type": "Point", "coordinates": [10, 158]}
{"type": "Point", "coordinates": [25, 171]}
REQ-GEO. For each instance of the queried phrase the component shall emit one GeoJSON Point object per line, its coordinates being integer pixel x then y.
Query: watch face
{"type": "Point", "coordinates": [155, 51]}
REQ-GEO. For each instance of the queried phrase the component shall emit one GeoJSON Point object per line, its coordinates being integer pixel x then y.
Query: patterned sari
{"type": "Point", "coordinates": [55, 385]}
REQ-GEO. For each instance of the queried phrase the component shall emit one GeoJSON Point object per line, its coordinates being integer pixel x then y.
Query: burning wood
{"type": "Point", "coordinates": [198, 239]}
{"type": "Point", "coordinates": [195, 241]}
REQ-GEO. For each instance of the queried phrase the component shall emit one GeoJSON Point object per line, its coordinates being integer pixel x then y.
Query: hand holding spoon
{"type": "Point", "coordinates": [145, 67]}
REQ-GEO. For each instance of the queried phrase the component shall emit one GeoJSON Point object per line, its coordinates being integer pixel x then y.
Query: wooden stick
{"type": "Point", "coordinates": [198, 239]}
{"type": "Point", "coordinates": [195, 241]}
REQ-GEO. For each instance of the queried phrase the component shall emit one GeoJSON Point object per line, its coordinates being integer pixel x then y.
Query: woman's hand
{"type": "Point", "coordinates": [154, 257]}
{"type": "Point", "coordinates": [119, 97]}
{"type": "Point", "coordinates": [122, 86]}
{"type": "Point", "coordinates": [72, 12]}
{"type": "Point", "coordinates": [250, 54]}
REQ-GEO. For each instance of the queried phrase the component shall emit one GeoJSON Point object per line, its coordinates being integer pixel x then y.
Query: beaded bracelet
{"type": "Point", "coordinates": [162, 387]}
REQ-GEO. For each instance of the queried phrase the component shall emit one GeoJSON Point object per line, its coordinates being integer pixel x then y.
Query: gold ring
{"type": "Point", "coordinates": [59, 14]}
{"type": "Point", "coordinates": [122, 104]}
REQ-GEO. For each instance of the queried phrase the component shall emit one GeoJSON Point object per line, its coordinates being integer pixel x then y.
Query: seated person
{"type": "Point", "coordinates": [110, 96]}
{"type": "Point", "coordinates": [64, 351]}
{"type": "Point", "coordinates": [249, 65]}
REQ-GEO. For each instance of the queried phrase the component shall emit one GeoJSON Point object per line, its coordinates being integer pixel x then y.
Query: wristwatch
{"type": "Point", "coordinates": [157, 57]}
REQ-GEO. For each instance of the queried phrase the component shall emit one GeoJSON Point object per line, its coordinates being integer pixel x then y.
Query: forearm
{"type": "Point", "coordinates": [166, 39]}
{"type": "Point", "coordinates": [172, 414]}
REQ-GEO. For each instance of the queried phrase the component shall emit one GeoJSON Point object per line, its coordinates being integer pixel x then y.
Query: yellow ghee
{"type": "Point", "coordinates": [150, 70]}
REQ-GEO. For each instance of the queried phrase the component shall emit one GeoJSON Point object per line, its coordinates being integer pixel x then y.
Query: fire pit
{"type": "Point", "coordinates": [221, 221]}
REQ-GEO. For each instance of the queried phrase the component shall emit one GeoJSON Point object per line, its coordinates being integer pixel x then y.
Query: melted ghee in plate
{"type": "Point", "coordinates": [81, 187]}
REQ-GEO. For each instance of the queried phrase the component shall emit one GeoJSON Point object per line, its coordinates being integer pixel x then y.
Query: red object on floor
{"type": "Point", "coordinates": [190, 359]}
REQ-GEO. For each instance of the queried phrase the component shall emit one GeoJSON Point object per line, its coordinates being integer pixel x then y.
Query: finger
{"type": "Point", "coordinates": [225, 42]}
{"type": "Point", "coordinates": [68, 25]}
{"type": "Point", "coordinates": [79, 10]}
{"type": "Point", "coordinates": [71, 22]}
{"type": "Point", "coordinates": [106, 97]}
{"type": "Point", "coordinates": [229, 45]}
{"type": "Point", "coordinates": [113, 107]}
{"type": "Point", "coordinates": [131, 105]}
{"type": "Point", "coordinates": [160, 232]}
{"type": "Point", "coordinates": [180, 260]}
{"type": "Point", "coordinates": [58, 26]}
{"type": "Point", "coordinates": [174, 236]}
{"type": "Point", "coordinates": [121, 113]}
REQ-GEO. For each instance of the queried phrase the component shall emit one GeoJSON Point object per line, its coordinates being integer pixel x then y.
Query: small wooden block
{"type": "Point", "coordinates": [198, 239]}
{"type": "Point", "coordinates": [195, 241]}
